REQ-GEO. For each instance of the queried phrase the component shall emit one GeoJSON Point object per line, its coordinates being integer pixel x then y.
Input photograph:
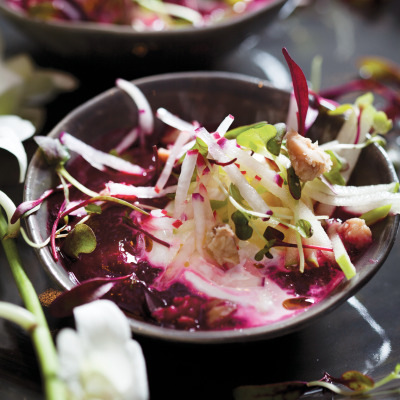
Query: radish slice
{"type": "Point", "coordinates": [184, 182]}
{"type": "Point", "coordinates": [251, 298]}
{"type": "Point", "coordinates": [347, 191]}
{"type": "Point", "coordinates": [146, 120]}
{"type": "Point", "coordinates": [248, 192]}
{"type": "Point", "coordinates": [141, 192]}
{"type": "Point", "coordinates": [166, 172]}
{"type": "Point", "coordinates": [174, 121]}
{"type": "Point", "coordinates": [199, 220]}
{"type": "Point", "coordinates": [127, 141]}
{"type": "Point", "coordinates": [225, 124]}
{"type": "Point", "coordinates": [357, 201]}
{"type": "Point", "coordinates": [97, 158]}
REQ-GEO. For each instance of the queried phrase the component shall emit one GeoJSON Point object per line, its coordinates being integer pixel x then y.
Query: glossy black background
{"type": "Point", "coordinates": [362, 334]}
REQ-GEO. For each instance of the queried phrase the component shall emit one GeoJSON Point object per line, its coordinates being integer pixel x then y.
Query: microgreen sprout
{"type": "Point", "coordinates": [242, 229]}
{"type": "Point", "coordinates": [300, 88]}
{"type": "Point", "coordinates": [80, 240]}
{"type": "Point", "coordinates": [293, 183]}
{"type": "Point", "coordinates": [13, 227]}
{"type": "Point", "coordinates": [359, 384]}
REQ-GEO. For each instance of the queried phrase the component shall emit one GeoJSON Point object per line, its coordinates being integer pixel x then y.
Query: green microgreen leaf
{"type": "Point", "coordinates": [201, 146]}
{"type": "Point", "coordinates": [235, 193]}
{"type": "Point", "coordinates": [171, 196]}
{"type": "Point", "coordinates": [265, 251]}
{"type": "Point", "coordinates": [217, 204]}
{"type": "Point", "coordinates": [257, 137]}
{"type": "Point", "coordinates": [341, 109]}
{"type": "Point", "coordinates": [357, 381]}
{"type": "Point", "coordinates": [93, 209]}
{"type": "Point", "coordinates": [234, 133]}
{"type": "Point", "coordinates": [242, 229]}
{"type": "Point", "coordinates": [293, 183]}
{"type": "Point", "coordinates": [381, 123]}
{"type": "Point", "coordinates": [334, 176]}
{"type": "Point", "coordinates": [271, 233]}
{"type": "Point", "coordinates": [272, 236]}
{"type": "Point", "coordinates": [304, 228]}
{"type": "Point", "coordinates": [364, 100]}
{"type": "Point", "coordinates": [80, 240]}
{"type": "Point", "coordinates": [275, 143]}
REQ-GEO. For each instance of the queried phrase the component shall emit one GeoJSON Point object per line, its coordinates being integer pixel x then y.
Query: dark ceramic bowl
{"type": "Point", "coordinates": [116, 43]}
{"type": "Point", "coordinates": [210, 97]}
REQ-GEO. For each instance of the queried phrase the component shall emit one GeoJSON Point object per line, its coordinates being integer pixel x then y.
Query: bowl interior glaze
{"type": "Point", "coordinates": [208, 98]}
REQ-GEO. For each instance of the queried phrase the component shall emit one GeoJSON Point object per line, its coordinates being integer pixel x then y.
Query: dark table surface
{"type": "Point", "coordinates": [362, 334]}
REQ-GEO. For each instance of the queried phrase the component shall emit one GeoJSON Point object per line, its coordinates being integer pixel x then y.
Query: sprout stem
{"type": "Point", "coordinates": [66, 175]}
{"type": "Point", "coordinates": [19, 315]}
{"type": "Point", "coordinates": [41, 337]}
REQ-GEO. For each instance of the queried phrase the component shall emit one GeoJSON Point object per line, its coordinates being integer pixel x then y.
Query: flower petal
{"type": "Point", "coordinates": [101, 323]}
{"type": "Point", "coordinates": [10, 141]}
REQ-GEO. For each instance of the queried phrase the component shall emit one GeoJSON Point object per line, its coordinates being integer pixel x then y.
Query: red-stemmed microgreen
{"type": "Point", "coordinates": [223, 164]}
{"type": "Point", "coordinates": [137, 227]}
{"type": "Point", "coordinates": [28, 207]}
{"type": "Point", "coordinates": [242, 228]}
{"type": "Point", "coordinates": [54, 230]}
{"type": "Point", "coordinates": [274, 238]}
{"type": "Point", "coordinates": [300, 89]}
{"type": "Point", "coordinates": [63, 212]}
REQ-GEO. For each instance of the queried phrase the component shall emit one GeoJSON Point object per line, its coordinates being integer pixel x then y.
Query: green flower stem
{"type": "Point", "coordinates": [19, 315]}
{"type": "Point", "coordinates": [41, 337]}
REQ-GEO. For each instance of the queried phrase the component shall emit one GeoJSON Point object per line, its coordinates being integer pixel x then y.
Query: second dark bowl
{"type": "Point", "coordinates": [112, 44]}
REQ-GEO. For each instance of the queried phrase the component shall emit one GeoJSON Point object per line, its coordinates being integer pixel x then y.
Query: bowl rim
{"type": "Point", "coordinates": [276, 329]}
{"type": "Point", "coordinates": [126, 30]}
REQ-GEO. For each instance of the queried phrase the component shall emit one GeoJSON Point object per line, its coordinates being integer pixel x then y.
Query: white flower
{"type": "Point", "coordinates": [9, 207]}
{"type": "Point", "coordinates": [24, 90]}
{"type": "Point", "coordinates": [13, 130]}
{"type": "Point", "coordinates": [100, 360]}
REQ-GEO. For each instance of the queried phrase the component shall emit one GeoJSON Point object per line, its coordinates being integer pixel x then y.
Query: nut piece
{"type": "Point", "coordinates": [307, 159]}
{"type": "Point", "coordinates": [221, 242]}
{"type": "Point", "coordinates": [356, 232]}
